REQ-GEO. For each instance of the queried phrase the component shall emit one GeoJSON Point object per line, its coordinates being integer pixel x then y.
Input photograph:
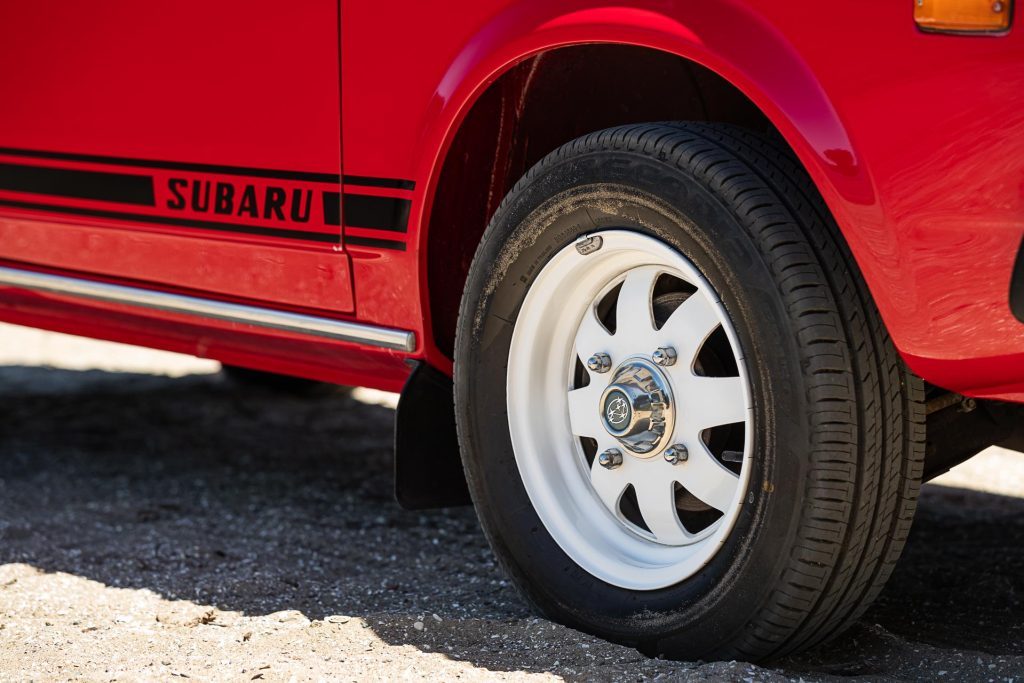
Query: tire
{"type": "Point", "coordinates": [825, 449]}
{"type": "Point", "coordinates": [283, 384]}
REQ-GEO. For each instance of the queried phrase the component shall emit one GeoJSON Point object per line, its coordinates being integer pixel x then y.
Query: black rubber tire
{"type": "Point", "coordinates": [284, 384]}
{"type": "Point", "coordinates": [838, 423]}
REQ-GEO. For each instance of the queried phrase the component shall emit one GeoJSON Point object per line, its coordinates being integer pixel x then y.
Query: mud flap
{"type": "Point", "coordinates": [1017, 286]}
{"type": "Point", "coordinates": [428, 469]}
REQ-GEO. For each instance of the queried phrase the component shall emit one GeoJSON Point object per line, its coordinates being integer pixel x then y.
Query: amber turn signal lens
{"type": "Point", "coordinates": [963, 16]}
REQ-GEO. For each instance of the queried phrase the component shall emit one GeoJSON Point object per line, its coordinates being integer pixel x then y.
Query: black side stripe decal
{"type": "Point", "coordinates": [332, 208]}
{"type": "Point", "coordinates": [359, 210]}
{"type": "Point", "coordinates": [378, 213]}
{"type": "Point", "coordinates": [386, 213]}
{"type": "Point", "coordinates": [122, 188]}
{"type": "Point", "coordinates": [184, 222]}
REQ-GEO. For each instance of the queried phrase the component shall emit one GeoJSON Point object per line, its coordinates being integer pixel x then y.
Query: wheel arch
{"type": "Point", "coordinates": [487, 88]}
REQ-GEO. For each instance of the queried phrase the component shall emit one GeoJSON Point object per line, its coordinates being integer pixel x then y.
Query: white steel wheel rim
{"type": "Point", "coordinates": [577, 503]}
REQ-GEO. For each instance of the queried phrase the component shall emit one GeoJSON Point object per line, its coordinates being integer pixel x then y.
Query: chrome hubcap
{"type": "Point", "coordinates": [636, 408]}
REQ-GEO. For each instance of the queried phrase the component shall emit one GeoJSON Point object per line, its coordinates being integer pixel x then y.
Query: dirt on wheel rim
{"type": "Point", "coordinates": [159, 521]}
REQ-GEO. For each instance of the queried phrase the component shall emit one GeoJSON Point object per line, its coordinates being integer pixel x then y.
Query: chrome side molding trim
{"type": "Point", "coordinates": [371, 335]}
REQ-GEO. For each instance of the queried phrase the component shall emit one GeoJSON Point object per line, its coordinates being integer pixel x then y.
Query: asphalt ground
{"type": "Point", "coordinates": [158, 521]}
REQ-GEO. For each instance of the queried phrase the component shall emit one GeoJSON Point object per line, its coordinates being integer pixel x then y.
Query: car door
{"type": "Point", "coordinates": [188, 145]}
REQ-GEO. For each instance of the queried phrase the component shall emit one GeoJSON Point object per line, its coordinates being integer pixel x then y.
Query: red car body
{"type": "Point", "coordinates": [302, 157]}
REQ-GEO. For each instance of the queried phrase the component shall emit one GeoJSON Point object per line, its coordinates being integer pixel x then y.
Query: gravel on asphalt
{"type": "Point", "coordinates": [158, 521]}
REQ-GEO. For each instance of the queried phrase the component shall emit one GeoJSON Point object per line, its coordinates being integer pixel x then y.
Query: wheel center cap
{"type": "Point", "coordinates": [618, 412]}
{"type": "Point", "coordinates": [636, 408]}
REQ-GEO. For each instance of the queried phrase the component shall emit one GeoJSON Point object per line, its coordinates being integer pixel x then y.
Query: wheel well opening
{"type": "Point", "coordinates": [531, 110]}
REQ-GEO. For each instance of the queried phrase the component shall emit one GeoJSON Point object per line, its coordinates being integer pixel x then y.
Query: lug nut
{"type": "Point", "coordinates": [610, 459]}
{"type": "Point", "coordinates": [665, 355]}
{"type": "Point", "coordinates": [600, 363]}
{"type": "Point", "coordinates": [676, 453]}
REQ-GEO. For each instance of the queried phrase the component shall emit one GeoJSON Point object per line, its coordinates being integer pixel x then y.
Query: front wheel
{"type": "Point", "coordinates": [682, 422]}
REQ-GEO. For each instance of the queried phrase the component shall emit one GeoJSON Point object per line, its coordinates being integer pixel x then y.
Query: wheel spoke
{"type": "Point", "coordinates": [654, 482]}
{"type": "Point", "coordinates": [633, 315]}
{"type": "Point", "coordinates": [584, 418]}
{"type": "Point", "coordinates": [708, 479]}
{"type": "Point", "coordinates": [712, 401]}
{"type": "Point", "coordinates": [689, 326]}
